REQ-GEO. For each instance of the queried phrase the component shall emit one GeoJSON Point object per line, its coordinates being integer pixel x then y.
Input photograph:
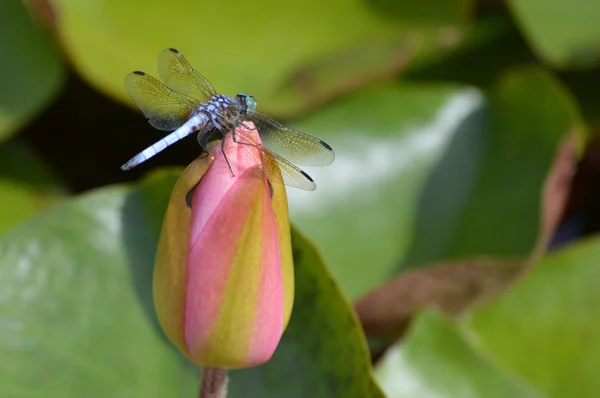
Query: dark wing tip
{"type": "Point", "coordinates": [173, 50]}
{"type": "Point", "coordinates": [307, 176]}
{"type": "Point", "coordinates": [139, 73]}
{"type": "Point", "coordinates": [326, 145]}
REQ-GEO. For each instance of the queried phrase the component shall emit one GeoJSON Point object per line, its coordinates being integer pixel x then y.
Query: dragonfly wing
{"type": "Point", "coordinates": [164, 108]}
{"type": "Point", "coordinates": [293, 145]}
{"type": "Point", "coordinates": [279, 170]}
{"type": "Point", "coordinates": [178, 74]}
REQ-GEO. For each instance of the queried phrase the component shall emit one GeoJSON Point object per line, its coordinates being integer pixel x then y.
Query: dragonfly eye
{"type": "Point", "coordinates": [247, 102]}
{"type": "Point", "coordinates": [251, 104]}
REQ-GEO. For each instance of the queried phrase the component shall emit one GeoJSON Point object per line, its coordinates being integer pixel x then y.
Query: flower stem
{"type": "Point", "coordinates": [214, 383]}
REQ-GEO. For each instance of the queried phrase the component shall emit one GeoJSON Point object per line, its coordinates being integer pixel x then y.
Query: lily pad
{"type": "Point", "coordinates": [564, 33]}
{"type": "Point", "coordinates": [436, 361]}
{"type": "Point", "coordinates": [32, 70]}
{"type": "Point", "coordinates": [27, 186]}
{"type": "Point", "coordinates": [458, 285]}
{"type": "Point", "coordinates": [427, 11]}
{"type": "Point", "coordinates": [543, 329]}
{"type": "Point", "coordinates": [246, 46]}
{"type": "Point", "coordinates": [74, 308]}
{"type": "Point", "coordinates": [323, 351]}
{"type": "Point", "coordinates": [292, 56]}
{"type": "Point", "coordinates": [537, 340]}
{"type": "Point", "coordinates": [78, 320]}
{"type": "Point", "coordinates": [419, 167]}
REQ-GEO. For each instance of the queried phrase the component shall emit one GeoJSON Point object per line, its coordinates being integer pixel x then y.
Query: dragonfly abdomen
{"type": "Point", "coordinates": [195, 123]}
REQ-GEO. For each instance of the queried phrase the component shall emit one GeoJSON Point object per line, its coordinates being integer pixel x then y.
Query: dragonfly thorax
{"type": "Point", "coordinates": [217, 104]}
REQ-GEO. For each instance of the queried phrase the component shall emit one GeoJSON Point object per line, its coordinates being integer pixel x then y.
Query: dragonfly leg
{"type": "Point", "coordinates": [235, 139]}
{"type": "Point", "coordinates": [215, 122]}
{"type": "Point", "coordinates": [224, 133]}
{"type": "Point", "coordinates": [247, 127]}
{"type": "Point", "coordinates": [225, 156]}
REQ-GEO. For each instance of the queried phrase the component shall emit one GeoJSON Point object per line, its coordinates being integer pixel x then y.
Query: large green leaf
{"type": "Point", "coordinates": [241, 46]}
{"type": "Point", "coordinates": [545, 329]}
{"type": "Point", "coordinates": [537, 340]}
{"type": "Point", "coordinates": [430, 12]}
{"type": "Point", "coordinates": [323, 351]}
{"type": "Point", "coordinates": [289, 55]}
{"type": "Point", "coordinates": [457, 285]}
{"type": "Point", "coordinates": [26, 185]}
{"type": "Point", "coordinates": [584, 85]}
{"type": "Point", "coordinates": [435, 361]}
{"type": "Point", "coordinates": [528, 116]}
{"type": "Point", "coordinates": [72, 323]}
{"type": "Point", "coordinates": [31, 70]}
{"type": "Point", "coordinates": [77, 316]}
{"type": "Point", "coordinates": [565, 33]}
{"type": "Point", "coordinates": [387, 140]}
{"type": "Point", "coordinates": [502, 47]}
{"type": "Point", "coordinates": [427, 173]}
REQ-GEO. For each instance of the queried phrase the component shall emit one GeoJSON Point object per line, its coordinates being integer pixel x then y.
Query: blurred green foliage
{"type": "Point", "coordinates": [564, 33]}
{"type": "Point", "coordinates": [449, 121]}
{"type": "Point", "coordinates": [26, 185]}
{"type": "Point", "coordinates": [537, 340]}
{"type": "Point", "coordinates": [31, 69]}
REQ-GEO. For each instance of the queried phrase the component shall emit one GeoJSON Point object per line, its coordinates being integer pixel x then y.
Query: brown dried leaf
{"type": "Point", "coordinates": [451, 286]}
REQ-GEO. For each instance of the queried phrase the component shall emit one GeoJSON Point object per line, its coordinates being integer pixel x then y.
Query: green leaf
{"type": "Point", "coordinates": [427, 12]}
{"type": "Point", "coordinates": [537, 340]}
{"type": "Point", "coordinates": [247, 46]}
{"type": "Point", "coordinates": [32, 72]}
{"type": "Point", "coordinates": [323, 351]}
{"type": "Point", "coordinates": [565, 33]}
{"type": "Point", "coordinates": [583, 84]}
{"type": "Point", "coordinates": [77, 292]}
{"type": "Point", "coordinates": [291, 56]}
{"type": "Point", "coordinates": [512, 147]}
{"type": "Point", "coordinates": [544, 329]}
{"type": "Point", "coordinates": [387, 141]}
{"type": "Point", "coordinates": [26, 185]}
{"type": "Point", "coordinates": [497, 46]}
{"type": "Point", "coordinates": [419, 169]}
{"type": "Point", "coordinates": [69, 283]}
{"type": "Point", "coordinates": [435, 361]}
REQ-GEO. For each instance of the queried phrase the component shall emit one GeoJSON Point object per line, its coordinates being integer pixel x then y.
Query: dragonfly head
{"type": "Point", "coordinates": [247, 102]}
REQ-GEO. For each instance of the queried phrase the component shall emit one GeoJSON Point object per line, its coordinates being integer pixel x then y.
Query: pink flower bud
{"type": "Point", "coordinates": [223, 279]}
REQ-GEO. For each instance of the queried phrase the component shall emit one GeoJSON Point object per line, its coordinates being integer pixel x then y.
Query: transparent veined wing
{"type": "Point", "coordinates": [293, 145]}
{"type": "Point", "coordinates": [177, 73]}
{"type": "Point", "coordinates": [164, 108]}
{"type": "Point", "coordinates": [275, 168]}
{"type": "Point", "coordinates": [279, 170]}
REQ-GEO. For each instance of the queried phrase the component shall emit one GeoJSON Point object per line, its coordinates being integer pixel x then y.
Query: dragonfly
{"type": "Point", "coordinates": [185, 102]}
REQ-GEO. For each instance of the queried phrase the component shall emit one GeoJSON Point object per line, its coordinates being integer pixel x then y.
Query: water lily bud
{"type": "Point", "coordinates": [223, 279]}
